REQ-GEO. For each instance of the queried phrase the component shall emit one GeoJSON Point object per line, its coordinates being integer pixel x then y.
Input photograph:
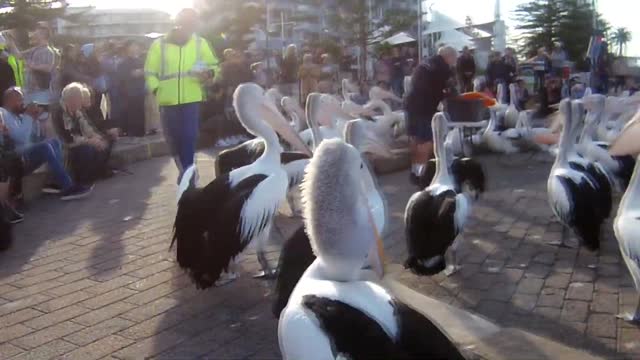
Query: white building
{"type": "Point", "coordinates": [107, 23]}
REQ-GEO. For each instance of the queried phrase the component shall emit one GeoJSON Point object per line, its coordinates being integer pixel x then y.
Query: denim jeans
{"type": "Point", "coordinates": [181, 124]}
{"type": "Point", "coordinates": [48, 152]}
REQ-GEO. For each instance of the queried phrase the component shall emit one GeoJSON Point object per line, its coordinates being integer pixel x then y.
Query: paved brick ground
{"type": "Point", "coordinates": [93, 279]}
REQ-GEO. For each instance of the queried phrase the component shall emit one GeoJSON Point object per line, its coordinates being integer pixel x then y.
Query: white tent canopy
{"type": "Point", "coordinates": [399, 38]}
{"type": "Point", "coordinates": [455, 38]}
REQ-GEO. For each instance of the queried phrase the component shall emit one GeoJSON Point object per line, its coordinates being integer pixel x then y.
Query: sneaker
{"type": "Point", "coordinates": [226, 278]}
{"type": "Point", "coordinates": [13, 216]}
{"type": "Point", "coordinates": [52, 189]}
{"type": "Point", "coordinates": [76, 192]}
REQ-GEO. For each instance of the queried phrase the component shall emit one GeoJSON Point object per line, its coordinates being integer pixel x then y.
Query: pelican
{"type": "Point", "coordinates": [293, 110]}
{"type": "Point", "coordinates": [511, 115]}
{"type": "Point", "coordinates": [524, 135]}
{"type": "Point", "coordinates": [378, 93]}
{"type": "Point", "coordinates": [619, 168]}
{"type": "Point", "coordinates": [435, 216]}
{"type": "Point", "coordinates": [333, 313]}
{"type": "Point", "coordinates": [627, 223]}
{"type": "Point", "coordinates": [216, 223]}
{"type": "Point", "coordinates": [498, 141]}
{"type": "Point", "coordinates": [296, 254]}
{"type": "Point", "coordinates": [321, 120]}
{"type": "Point", "coordinates": [573, 194]}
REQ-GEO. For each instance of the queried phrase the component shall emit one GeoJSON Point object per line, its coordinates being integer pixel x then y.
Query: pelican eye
{"type": "Point", "coordinates": [361, 166]}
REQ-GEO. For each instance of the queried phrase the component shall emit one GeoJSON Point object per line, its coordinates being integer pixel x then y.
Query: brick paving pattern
{"type": "Point", "coordinates": [94, 279]}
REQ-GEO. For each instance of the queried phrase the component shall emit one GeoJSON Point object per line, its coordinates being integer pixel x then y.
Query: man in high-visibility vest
{"type": "Point", "coordinates": [177, 64]}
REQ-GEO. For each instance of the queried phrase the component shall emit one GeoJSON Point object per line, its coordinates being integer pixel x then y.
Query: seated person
{"type": "Point", "coordinates": [11, 171]}
{"type": "Point", "coordinates": [94, 114]}
{"type": "Point", "coordinates": [88, 148]}
{"type": "Point", "coordinates": [21, 129]}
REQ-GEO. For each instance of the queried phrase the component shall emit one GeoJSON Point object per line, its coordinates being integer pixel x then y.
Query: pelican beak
{"type": "Point", "coordinates": [278, 122]}
{"type": "Point", "coordinates": [377, 251]}
{"type": "Point", "coordinates": [627, 142]}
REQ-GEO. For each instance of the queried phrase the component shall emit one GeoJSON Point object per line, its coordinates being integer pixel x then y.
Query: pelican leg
{"type": "Point", "coordinates": [228, 276]}
{"type": "Point", "coordinates": [632, 317]}
{"type": "Point", "coordinates": [561, 242]}
{"type": "Point", "coordinates": [267, 271]}
{"type": "Point", "coordinates": [451, 259]}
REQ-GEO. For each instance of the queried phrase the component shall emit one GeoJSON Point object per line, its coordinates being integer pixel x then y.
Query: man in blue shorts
{"type": "Point", "coordinates": [429, 86]}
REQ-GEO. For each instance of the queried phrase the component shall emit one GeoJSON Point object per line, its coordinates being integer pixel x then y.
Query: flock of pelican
{"type": "Point", "coordinates": [329, 300]}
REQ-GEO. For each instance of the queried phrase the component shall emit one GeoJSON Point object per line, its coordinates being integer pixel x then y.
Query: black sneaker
{"type": "Point", "coordinates": [76, 192]}
{"type": "Point", "coordinates": [52, 189]}
{"type": "Point", "coordinates": [13, 216]}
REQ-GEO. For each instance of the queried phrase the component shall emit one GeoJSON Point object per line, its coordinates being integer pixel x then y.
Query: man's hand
{"type": "Point", "coordinates": [97, 142]}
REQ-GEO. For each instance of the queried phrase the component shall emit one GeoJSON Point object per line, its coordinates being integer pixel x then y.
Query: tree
{"type": "Point", "coordinates": [547, 22]}
{"type": "Point", "coordinates": [352, 19]}
{"type": "Point", "coordinates": [621, 37]}
{"type": "Point", "coordinates": [233, 21]}
{"type": "Point", "coordinates": [23, 15]}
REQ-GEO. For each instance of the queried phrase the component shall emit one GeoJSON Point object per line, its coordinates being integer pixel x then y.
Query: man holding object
{"type": "Point", "coordinates": [177, 64]}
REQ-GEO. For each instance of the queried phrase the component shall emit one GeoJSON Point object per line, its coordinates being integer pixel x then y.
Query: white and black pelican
{"type": "Point", "coordinates": [296, 254]}
{"type": "Point", "coordinates": [436, 215]}
{"type": "Point", "coordinates": [333, 313]}
{"type": "Point", "coordinates": [574, 194]}
{"type": "Point", "coordinates": [498, 141]}
{"type": "Point", "coordinates": [620, 168]}
{"type": "Point", "coordinates": [378, 93]}
{"type": "Point", "coordinates": [627, 222]}
{"type": "Point", "coordinates": [216, 223]}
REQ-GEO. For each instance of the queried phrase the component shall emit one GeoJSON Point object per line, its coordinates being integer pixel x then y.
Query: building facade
{"type": "Point", "coordinates": [108, 23]}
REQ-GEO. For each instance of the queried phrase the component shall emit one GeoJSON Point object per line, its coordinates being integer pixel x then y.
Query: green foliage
{"type": "Point", "coordinates": [382, 48]}
{"type": "Point", "coordinates": [546, 22]}
{"type": "Point", "coordinates": [237, 24]}
{"type": "Point", "coordinates": [330, 47]}
{"type": "Point", "coordinates": [620, 38]}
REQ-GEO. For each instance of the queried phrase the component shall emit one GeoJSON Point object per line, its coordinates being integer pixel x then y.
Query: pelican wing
{"type": "Point", "coordinates": [295, 257]}
{"type": "Point", "coordinates": [205, 228]}
{"type": "Point", "coordinates": [260, 206]}
{"type": "Point", "coordinates": [239, 156]}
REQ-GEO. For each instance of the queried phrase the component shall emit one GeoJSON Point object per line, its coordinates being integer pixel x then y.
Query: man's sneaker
{"type": "Point", "coordinates": [51, 189]}
{"type": "Point", "coordinates": [76, 192]}
{"type": "Point", "coordinates": [13, 216]}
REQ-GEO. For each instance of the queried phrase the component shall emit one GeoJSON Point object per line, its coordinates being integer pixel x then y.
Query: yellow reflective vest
{"type": "Point", "coordinates": [169, 70]}
{"type": "Point", "coordinates": [18, 69]}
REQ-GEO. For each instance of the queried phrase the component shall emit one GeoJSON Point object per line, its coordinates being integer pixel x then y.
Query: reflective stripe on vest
{"type": "Point", "coordinates": [162, 76]}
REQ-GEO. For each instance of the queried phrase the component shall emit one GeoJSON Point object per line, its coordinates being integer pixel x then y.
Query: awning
{"type": "Point", "coordinates": [399, 38]}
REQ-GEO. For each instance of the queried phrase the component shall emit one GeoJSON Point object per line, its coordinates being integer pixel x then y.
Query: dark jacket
{"type": "Point", "coordinates": [7, 78]}
{"type": "Point", "coordinates": [428, 85]}
{"type": "Point", "coordinates": [466, 64]}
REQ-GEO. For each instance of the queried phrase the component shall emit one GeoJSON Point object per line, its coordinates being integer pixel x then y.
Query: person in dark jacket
{"type": "Point", "coordinates": [466, 68]}
{"type": "Point", "coordinates": [429, 86]}
{"type": "Point", "coordinates": [130, 78]}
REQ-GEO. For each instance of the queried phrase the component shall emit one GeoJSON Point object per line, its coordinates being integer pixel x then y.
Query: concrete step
{"type": "Point", "coordinates": [477, 337]}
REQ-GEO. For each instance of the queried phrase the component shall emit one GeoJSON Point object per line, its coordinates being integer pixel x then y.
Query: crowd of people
{"type": "Point", "coordinates": [53, 113]}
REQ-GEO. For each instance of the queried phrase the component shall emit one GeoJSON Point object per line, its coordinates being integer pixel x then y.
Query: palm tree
{"type": "Point", "coordinates": [621, 37]}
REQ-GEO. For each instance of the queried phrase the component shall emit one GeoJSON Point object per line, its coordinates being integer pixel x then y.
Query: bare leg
{"type": "Point", "coordinates": [267, 272]}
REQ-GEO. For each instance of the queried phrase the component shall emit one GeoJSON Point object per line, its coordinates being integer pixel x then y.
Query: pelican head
{"type": "Point", "coordinates": [292, 110]}
{"type": "Point", "coordinates": [252, 106]}
{"type": "Point", "coordinates": [627, 142]}
{"type": "Point", "coordinates": [336, 213]}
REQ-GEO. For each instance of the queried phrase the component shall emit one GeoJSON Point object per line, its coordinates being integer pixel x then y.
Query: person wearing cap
{"type": "Point", "coordinates": [21, 128]}
{"type": "Point", "coordinates": [176, 67]}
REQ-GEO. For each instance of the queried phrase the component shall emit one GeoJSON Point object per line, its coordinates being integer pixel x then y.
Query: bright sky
{"type": "Point", "coordinates": [617, 12]}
